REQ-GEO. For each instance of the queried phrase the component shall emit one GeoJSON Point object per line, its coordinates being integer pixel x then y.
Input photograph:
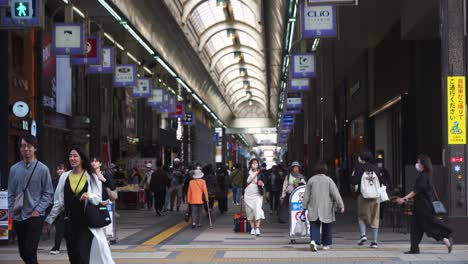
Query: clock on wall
{"type": "Point", "coordinates": [20, 109]}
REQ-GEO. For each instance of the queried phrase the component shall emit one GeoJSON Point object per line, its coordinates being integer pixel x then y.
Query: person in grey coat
{"type": "Point", "coordinates": [321, 198]}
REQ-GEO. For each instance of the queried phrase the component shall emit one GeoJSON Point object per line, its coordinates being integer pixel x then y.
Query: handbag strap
{"type": "Point", "coordinates": [253, 179]}
{"type": "Point", "coordinates": [435, 192]}
{"type": "Point", "coordinates": [76, 188]}
{"type": "Point", "coordinates": [30, 176]}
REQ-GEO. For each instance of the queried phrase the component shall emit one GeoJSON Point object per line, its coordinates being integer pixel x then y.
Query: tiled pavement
{"type": "Point", "coordinates": [145, 238]}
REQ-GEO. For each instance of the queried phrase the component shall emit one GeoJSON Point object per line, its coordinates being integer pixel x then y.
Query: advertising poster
{"type": "Point", "coordinates": [49, 81]}
{"type": "Point", "coordinates": [303, 65]}
{"type": "Point", "coordinates": [3, 215]}
{"type": "Point", "coordinates": [107, 64]}
{"type": "Point", "coordinates": [92, 53]}
{"type": "Point", "coordinates": [456, 110]}
{"type": "Point", "coordinates": [297, 196]}
{"type": "Point", "coordinates": [125, 75]}
{"type": "Point", "coordinates": [318, 21]}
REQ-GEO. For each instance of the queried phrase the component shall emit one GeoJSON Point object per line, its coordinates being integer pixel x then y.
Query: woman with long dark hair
{"type": "Point", "coordinates": [77, 188]}
{"type": "Point", "coordinates": [253, 197]}
{"type": "Point", "coordinates": [424, 221]}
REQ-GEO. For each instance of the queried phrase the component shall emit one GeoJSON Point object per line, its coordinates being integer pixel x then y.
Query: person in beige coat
{"type": "Point", "coordinates": [321, 198]}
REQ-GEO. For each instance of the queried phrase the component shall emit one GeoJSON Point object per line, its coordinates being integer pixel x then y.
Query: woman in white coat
{"type": "Point", "coordinates": [77, 188]}
{"type": "Point", "coordinates": [253, 197]}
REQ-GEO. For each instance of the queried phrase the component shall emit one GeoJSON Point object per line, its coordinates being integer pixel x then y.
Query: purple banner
{"type": "Point", "coordinates": [143, 89]}
{"type": "Point", "coordinates": [107, 65]}
{"type": "Point", "coordinates": [303, 65]}
{"type": "Point", "coordinates": [318, 21]}
{"type": "Point", "coordinates": [299, 85]}
{"type": "Point", "coordinates": [68, 39]}
{"type": "Point", "coordinates": [294, 100]}
{"type": "Point", "coordinates": [125, 75]}
{"type": "Point", "coordinates": [157, 97]}
{"type": "Point", "coordinates": [188, 119]}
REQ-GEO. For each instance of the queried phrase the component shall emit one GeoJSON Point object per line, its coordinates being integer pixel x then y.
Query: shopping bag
{"type": "Point", "coordinates": [300, 229]}
{"type": "Point", "coordinates": [383, 194]}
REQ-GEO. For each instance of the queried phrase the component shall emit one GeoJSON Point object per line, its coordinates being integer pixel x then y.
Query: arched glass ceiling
{"type": "Point", "coordinates": [233, 26]}
{"type": "Point", "coordinates": [206, 15]}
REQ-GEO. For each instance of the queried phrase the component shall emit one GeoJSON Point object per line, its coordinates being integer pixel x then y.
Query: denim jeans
{"type": "Point", "coordinates": [236, 194]}
{"type": "Point", "coordinates": [326, 237]}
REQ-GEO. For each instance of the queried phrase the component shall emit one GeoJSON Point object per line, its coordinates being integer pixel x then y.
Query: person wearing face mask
{"type": "Point", "coordinates": [253, 197]}
{"type": "Point", "coordinates": [292, 181]}
{"type": "Point", "coordinates": [423, 220]}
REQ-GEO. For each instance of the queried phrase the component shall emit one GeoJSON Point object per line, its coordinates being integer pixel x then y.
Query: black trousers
{"type": "Point", "coordinates": [29, 233]}
{"type": "Point", "coordinates": [424, 222]}
{"type": "Point", "coordinates": [59, 231]}
{"type": "Point", "coordinates": [159, 199]}
{"type": "Point", "coordinates": [79, 240]}
{"type": "Point", "coordinates": [274, 200]}
{"type": "Point", "coordinates": [223, 204]}
{"type": "Point", "coordinates": [149, 198]}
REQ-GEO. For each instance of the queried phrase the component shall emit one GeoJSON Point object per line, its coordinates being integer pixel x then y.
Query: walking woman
{"type": "Point", "coordinates": [321, 195]}
{"type": "Point", "coordinates": [77, 188]}
{"type": "Point", "coordinates": [158, 185]}
{"type": "Point", "coordinates": [197, 195]}
{"type": "Point", "coordinates": [423, 220]}
{"type": "Point", "coordinates": [253, 197]}
{"type": "Point", "coordinates": [223, 189]}
{"type": "Point", "coordinates": [108, 184]}
{"type": "Point", "coordinates": [211, 184]}
{"type": "Point", "coordinates": [368, 209]}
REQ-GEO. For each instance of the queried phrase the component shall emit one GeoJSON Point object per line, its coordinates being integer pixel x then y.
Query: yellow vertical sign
{"type": "Point", "coordinates": [456, 110]}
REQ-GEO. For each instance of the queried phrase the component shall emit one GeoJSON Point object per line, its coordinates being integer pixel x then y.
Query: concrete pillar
{"type": "Point", "coordinates": [453, 64]}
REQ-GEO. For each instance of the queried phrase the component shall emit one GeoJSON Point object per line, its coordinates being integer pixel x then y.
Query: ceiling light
{"type": "Point", "coordinates": [214, 116]}
{"type": "Point", "coordinates": [250, 102]}
{"type": "Point", "coordinates": [207, 108]}
{"type": "Point", "coordinates": [65, 1]}
{"type": "Point", "coordinates": [237, 56]}
{"type": "Point", "coordinates": [133, 58]}
{"type": "Point", "coordinates": [110, 10]}
{"type": "Point", "coordinates": [249, 95]}
{"type": "Point", "coordinates": [316, 44]}
{"type": "Point", "coordinates": [197, 98]}
{"type": "Point", "coordinates": [221, 3]}
{"type": "Point", "coordinates": [243, 72]}
{"type": "Point", "coordinates": [148, 70]}
{"type": "Point", "coordinates": [231, 33]}
{"type": "Point", "coordinates": [179, 80]}
{"type": "Point", "coordinates": [111, 39]}
{"type": "Point", "coordinates": [246, 84]}
{"type": "Point", "coordinates": [78, 11]}
{"type": "Point", "coordinates": [168, 69]}
{"type": "Point", "coordinates": [137, 37]}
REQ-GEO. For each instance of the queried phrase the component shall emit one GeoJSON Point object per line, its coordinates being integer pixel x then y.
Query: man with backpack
{"type": "Point", "coordinates": [366, 178]}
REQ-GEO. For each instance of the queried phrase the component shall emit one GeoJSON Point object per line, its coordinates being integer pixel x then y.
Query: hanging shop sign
{"type": "Point", "coordinates": [318, 21]}
{"type": "Point", "coordinates": [92, 52]}
{"type": "Point", "coordinates": [165, 107]}
{"type": "Point", "coordinates": [294, 100]}
{"type": "Point", "coordinates": [156, 98]}
{"type": "Point", "coordinates": [20, 109]}
{"type": "Point", "coordinates": [332, 2]}
{"type": "Point", "coordinates": [4, 223]}
{"type": "Point", "coordinates": [21, 14]}
{"type": "Point", "coordinates": [456, 110]}
{"type": "Point", "coordinates": [172, 102]}
{"type": "Point", "coordinates": [68, 39]}
{"type": "Point", "coordinates": [303, 65]}
{"type": "Point", "coordinates": [299, 85]}
{"type": "Point", "coordinates": [188, 119]}
{"type": "Point", "coordinates": [142, 89]}
{"type": "Point", "coordinates": [107, 64]}
{"type": "Point", "coordinates": [125, 75]}
{"type": "Point", "coordinates": [292, 111]}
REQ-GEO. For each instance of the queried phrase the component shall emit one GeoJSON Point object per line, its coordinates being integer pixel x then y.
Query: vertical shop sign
{"type": "Point", "coordinates": [143, 89]}
{"type": "Point", "coordinates": [456, 110]}
{"type": "Point", "coordinates": [107, 64]}
{"type": "Point", "coordinates": [318, 21]}
{"type": "Point", "coordinates": [299, 85]}
{"type": "Point", "coordinates": [179, 110]}
{"type": "Point", "coordinates": [49, 81]}
{"type": "Point", "coordinates": [303, 65]}
{"type": "Point", "coordinates": [188, 119]}
{"type": "Point", "coordinates": [156, 98]}
{"type": "Point", "coordinates": [92, 52]}
{"type": "Point", "coordinates": [294, 100]}
{"type": "Point", "coordinates": [68, 39]}
{"type": "Point", "coordinates": [4, 215]}
{"type": "Point", "coordinates": [125, 75]}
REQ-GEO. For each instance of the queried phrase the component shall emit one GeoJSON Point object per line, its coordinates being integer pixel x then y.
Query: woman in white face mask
{"type": "Point", "coordinates": [423, 220]}
{"type": "Point", "coordinates": [253, 197]}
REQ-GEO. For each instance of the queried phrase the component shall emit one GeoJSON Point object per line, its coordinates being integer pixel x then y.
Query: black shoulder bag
{"type": "Point", "coordinates": [437, 206]}
{"type": "Point", "coordinates": [97, 216]}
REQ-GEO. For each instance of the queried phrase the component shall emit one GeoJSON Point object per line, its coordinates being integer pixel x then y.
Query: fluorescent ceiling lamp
{"type": "Point", "coordinates": [197, 98]}
{"type": "Point", "coordinates": [179, 80]}
{"type": "Point", "coordinates": [214, 116]}
{"type": "Point", "coordinates": [207, 108]}
{"type": "Point", "coordinates": [65, 1]}
{"type": "Point", "coordinates": [250, 102]}
{"type": "Point", "coordinates": [133, 58]}
{"type": "Point", "coordinates": [138, 38]}
{"type": "Point", "coordinates": [316, 44]}
{"type": "Point", "coordinates": [224, 126]}
{"type": "Point", "coordinates": [78, 11]}
{"type": "Point", "coordinates": [110, 10]}
{"type": "Point", "coordinates": [291, 36]}
{"type": "Point", "coordinates": [159, 80]}
{"type": "Point", "coordinates": [168, 69]}
{"type": "Point", "coordinates": [111, 39]}
{"type": "Point", "coordinates": [148, 70]}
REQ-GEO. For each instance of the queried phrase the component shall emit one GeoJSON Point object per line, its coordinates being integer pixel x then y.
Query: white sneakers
{"type": "Point", "coordinates": [255, 232]}
{"type": "Point", "coordinates": [326, 247]}
{"type": "Point", "coordinates": [313, 246]}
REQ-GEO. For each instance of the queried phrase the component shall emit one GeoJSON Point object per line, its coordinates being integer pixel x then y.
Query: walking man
{"type": "Point", "coordinates": [30, 192]}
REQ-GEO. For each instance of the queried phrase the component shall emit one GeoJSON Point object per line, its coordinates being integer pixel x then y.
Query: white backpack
{"type": "Point", "coordinates": [370, 185]}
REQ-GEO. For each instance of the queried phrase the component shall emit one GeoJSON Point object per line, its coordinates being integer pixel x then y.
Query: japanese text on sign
{"type": "Point", "coordinates": [456, 110]}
